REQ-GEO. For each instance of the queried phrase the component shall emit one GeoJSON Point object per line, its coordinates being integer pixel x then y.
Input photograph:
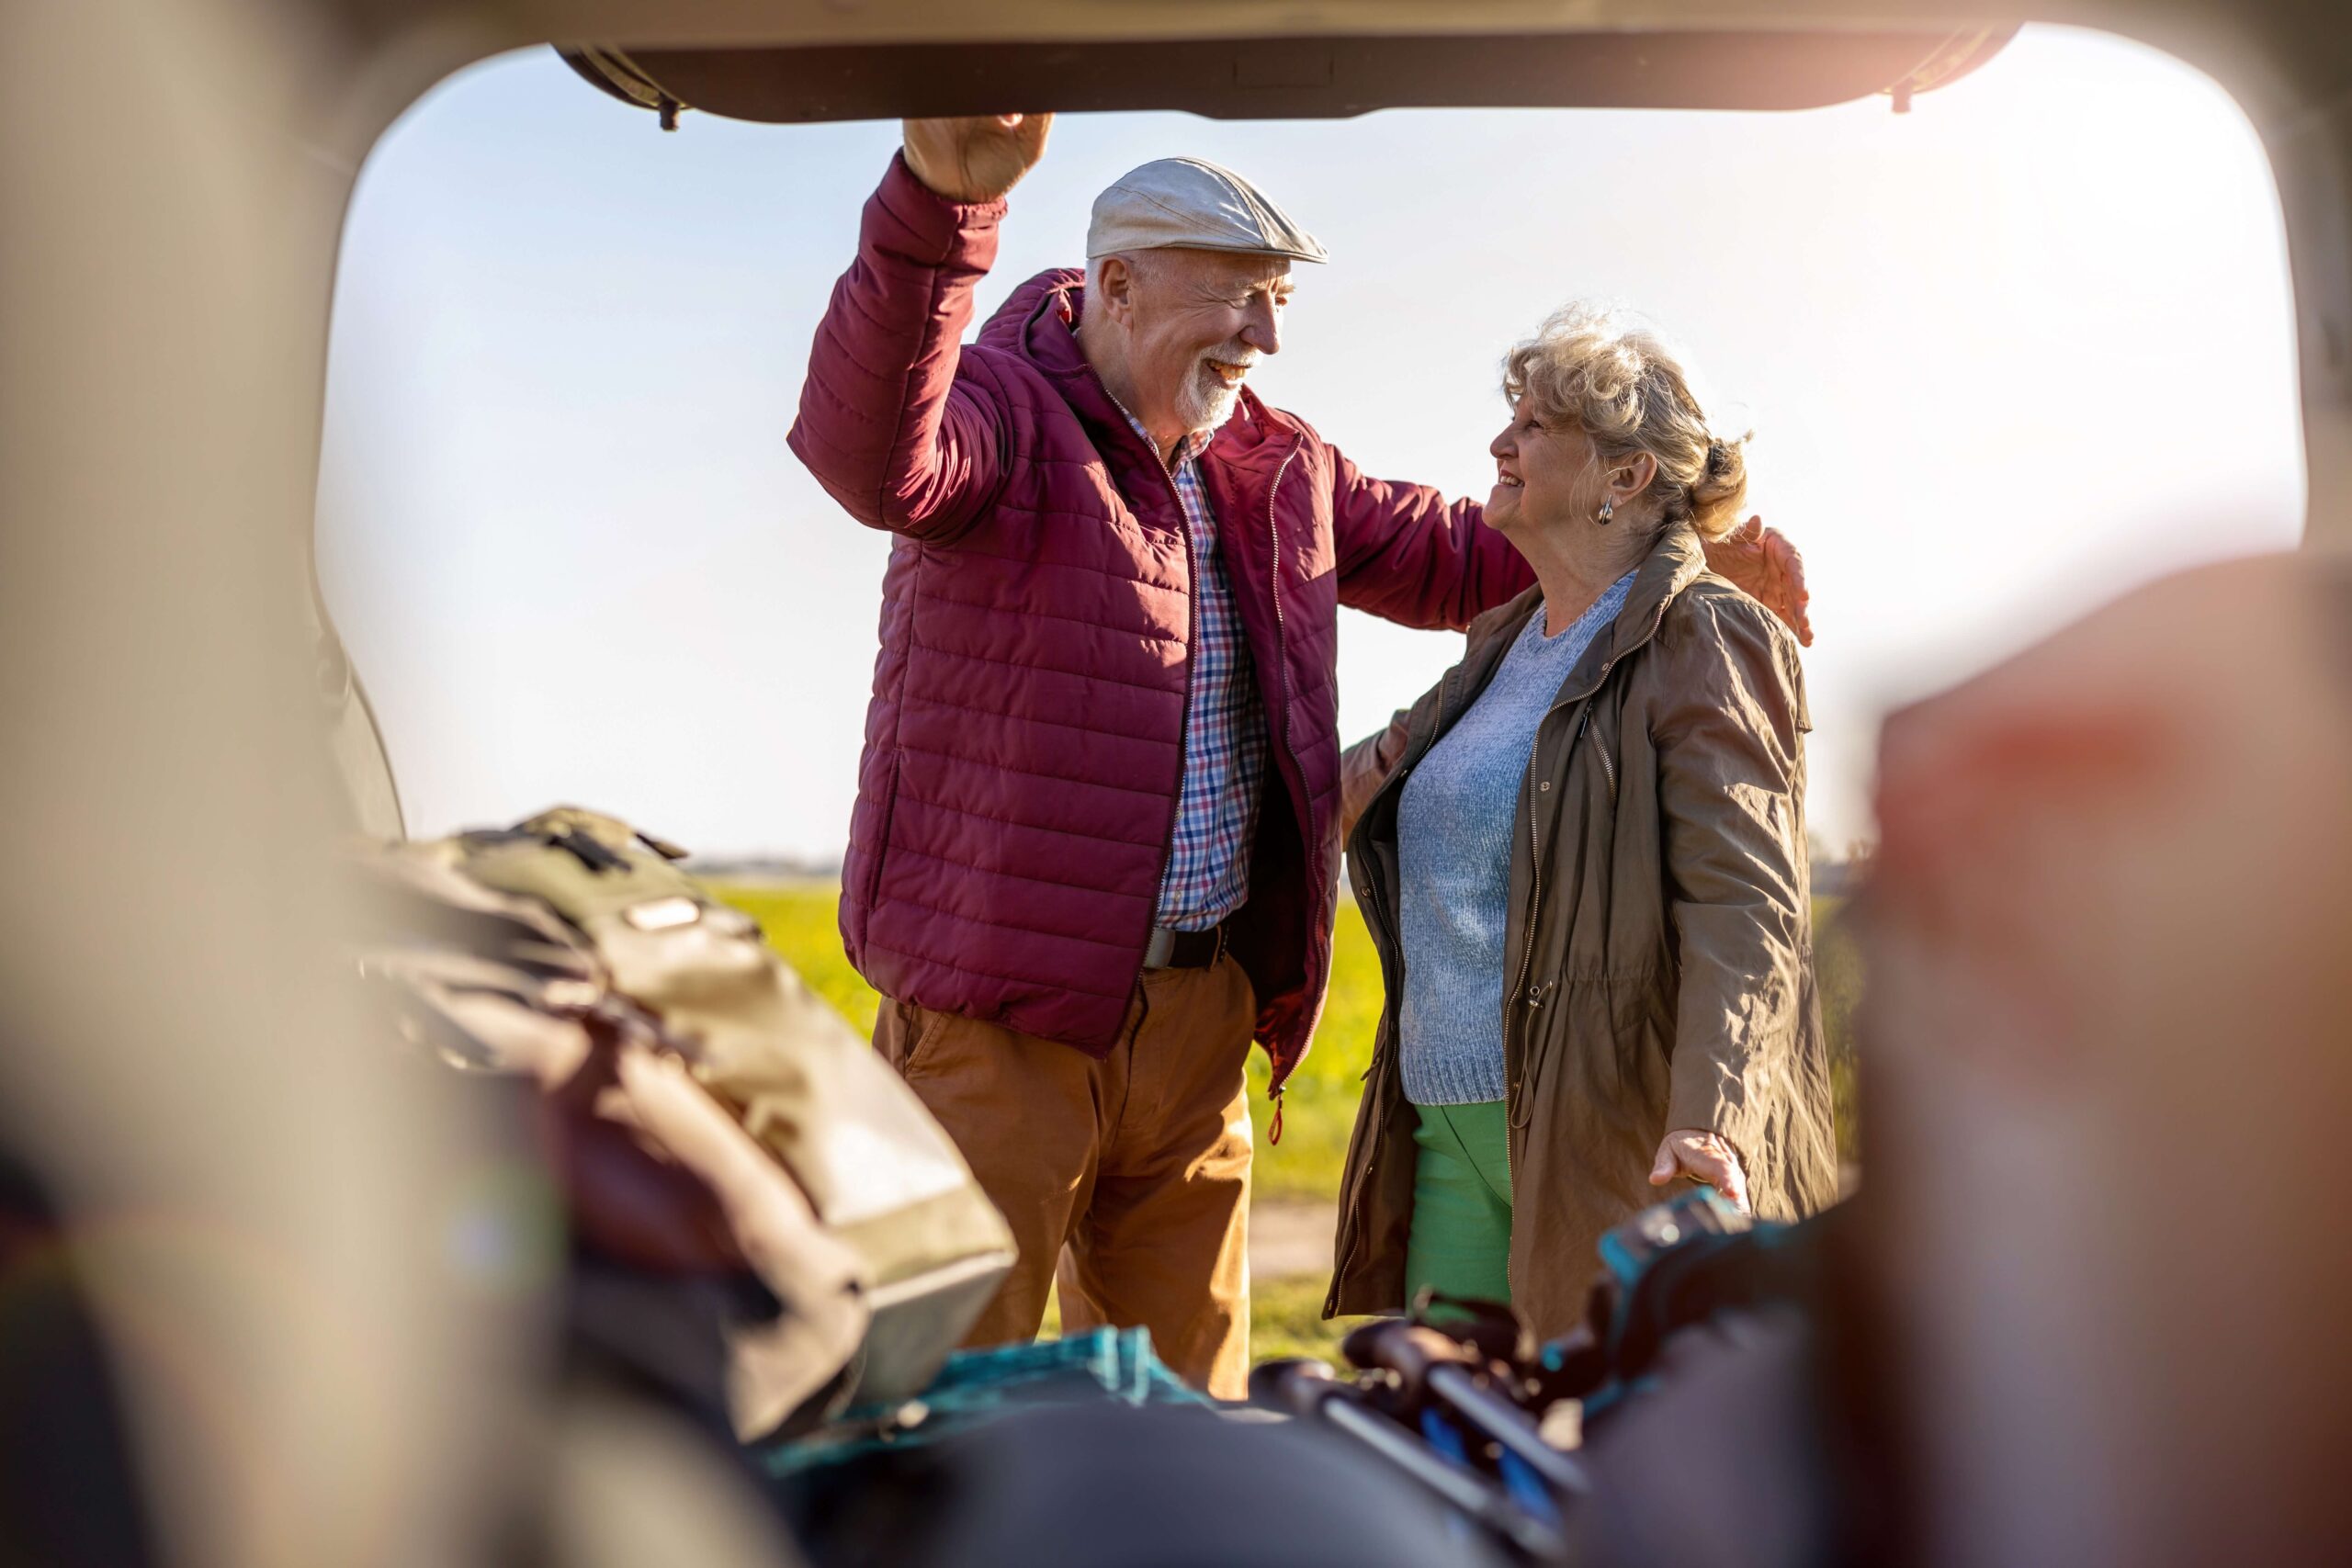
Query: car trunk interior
{"type": "Point", "coordinates": [174, 178]}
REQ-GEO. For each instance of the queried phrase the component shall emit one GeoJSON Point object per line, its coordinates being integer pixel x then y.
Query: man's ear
{"type": "Point", "coordinates": [1115, 287]}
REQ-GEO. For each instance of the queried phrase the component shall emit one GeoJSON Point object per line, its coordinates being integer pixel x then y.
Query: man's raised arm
{"type": "Point", "coordinates": [884, 424]}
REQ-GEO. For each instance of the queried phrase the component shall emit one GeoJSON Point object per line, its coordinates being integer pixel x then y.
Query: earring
{"type": "Point", "coordinates": [1608, 511]}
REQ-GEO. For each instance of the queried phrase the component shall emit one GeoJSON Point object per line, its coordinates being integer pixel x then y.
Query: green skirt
{"type": "Point", "coordinates": [1460, 1243]}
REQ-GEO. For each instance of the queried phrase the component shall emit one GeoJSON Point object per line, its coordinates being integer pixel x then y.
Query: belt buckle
{"type": "Point", "coordinates": [1159, 949]}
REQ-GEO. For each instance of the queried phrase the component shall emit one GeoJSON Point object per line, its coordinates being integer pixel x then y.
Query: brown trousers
{"type": "Point", "coordinates": [1131, 1172]}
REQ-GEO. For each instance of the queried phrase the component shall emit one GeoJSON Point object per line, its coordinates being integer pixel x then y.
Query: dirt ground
{"type": "Point", "coordinates": [1290, 1237]}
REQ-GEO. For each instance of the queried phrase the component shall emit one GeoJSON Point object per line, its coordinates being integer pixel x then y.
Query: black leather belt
{"type": "Point", "coordinates": [1184, 950]}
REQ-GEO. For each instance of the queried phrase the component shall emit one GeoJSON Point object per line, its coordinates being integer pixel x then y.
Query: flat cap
{"type": "Point", "coordinates": [1193, 204]}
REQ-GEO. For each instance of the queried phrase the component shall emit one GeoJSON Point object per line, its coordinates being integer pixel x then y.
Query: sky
{"type": "Point", "coordinates": [2005, 358]}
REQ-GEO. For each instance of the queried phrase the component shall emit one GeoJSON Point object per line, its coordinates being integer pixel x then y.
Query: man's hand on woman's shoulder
{"type": "Point", "coordinates": [976, 158]}
{"type": "Point", "coordinates": [1761, 563]}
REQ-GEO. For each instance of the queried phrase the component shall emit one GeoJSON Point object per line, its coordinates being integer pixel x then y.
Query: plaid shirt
{"type": "Point", "coordinates": [1224, 729]}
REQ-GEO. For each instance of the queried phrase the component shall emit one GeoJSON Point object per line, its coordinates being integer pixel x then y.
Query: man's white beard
{"type": "Point", "coordinates": [1206, 408]}
{"type": "Point", "coordinates": [1204, 401]}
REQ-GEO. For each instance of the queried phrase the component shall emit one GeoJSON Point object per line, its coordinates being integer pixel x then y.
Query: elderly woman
{"type": "Point", "coordinates": [1582, 859]}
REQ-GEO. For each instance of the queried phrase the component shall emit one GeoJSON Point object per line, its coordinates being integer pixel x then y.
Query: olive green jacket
{"type": "Point", "coordinates": [1660, 939]}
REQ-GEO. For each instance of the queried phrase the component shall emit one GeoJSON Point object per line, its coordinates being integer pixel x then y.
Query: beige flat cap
{"type": "Point", "coordinates": [1188, 203]}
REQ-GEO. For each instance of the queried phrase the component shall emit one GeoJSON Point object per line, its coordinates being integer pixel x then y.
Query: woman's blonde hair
{"type": "Point", "coordinates": [1619, 382]}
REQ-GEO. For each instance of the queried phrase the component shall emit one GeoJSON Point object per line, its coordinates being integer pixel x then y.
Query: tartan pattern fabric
{"type": "Point", "coordinates": [1225, 727]}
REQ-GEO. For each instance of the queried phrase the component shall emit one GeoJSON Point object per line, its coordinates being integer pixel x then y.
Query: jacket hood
{"type": "Point", "coordinates": [1677, 568]}
{"type": "Point", "coordinates": [1055, 295]}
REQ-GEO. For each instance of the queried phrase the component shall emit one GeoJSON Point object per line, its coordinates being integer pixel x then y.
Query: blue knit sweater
{"type": "Point", "coordinates": [1454, 847]}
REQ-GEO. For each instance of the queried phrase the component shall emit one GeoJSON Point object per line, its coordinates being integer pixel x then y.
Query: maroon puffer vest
{"type": "Point", "coordinates": [1024, 744]}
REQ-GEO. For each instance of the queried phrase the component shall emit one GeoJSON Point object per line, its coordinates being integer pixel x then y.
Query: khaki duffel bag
{"type": "Point", "coordinates": [571, 948]}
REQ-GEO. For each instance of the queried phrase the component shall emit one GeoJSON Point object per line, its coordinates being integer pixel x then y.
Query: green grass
{"type": "Point", "coordinates": [1319, 1101]}
{"type": "Point", "coordinates": [1286, 1319]}
{"type": "Point", "coordinates": [1319, 1105]}
{"type": "Point", "coordinates": [1838, 965]}
{"type": "Point", "coordinates": [798, 918]}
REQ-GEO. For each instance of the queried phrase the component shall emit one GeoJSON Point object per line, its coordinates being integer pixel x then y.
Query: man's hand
{"type": "Point", "coordinates": [1761, 563]}
{"type": "Point", "coordinates": [977, 158]}
{"type": "Point", "coordinates": [1704, 1157]}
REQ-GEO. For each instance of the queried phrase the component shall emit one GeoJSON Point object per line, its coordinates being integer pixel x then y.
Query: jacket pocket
{"type": "Point", "coordinates": [887, 821]}
{"type": "Point", "coordinates": [1587, 733]}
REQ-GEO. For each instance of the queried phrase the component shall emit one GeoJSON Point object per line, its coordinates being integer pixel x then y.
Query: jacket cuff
{"type": "Point", "coordinates": [925, 222]}
{"type": "Point", "coordinates": [1707, 1097]}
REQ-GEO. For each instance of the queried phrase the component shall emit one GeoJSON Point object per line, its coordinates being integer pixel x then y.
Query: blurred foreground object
{"type": "Point", "coordinates": [698, 1090]}
{"type": "Point", "coordinates": [2109, 1030]}
{"type": "Point", "coordinates": [265, 1208]}
{"type": "Point", "coordinates": [69, 1490]}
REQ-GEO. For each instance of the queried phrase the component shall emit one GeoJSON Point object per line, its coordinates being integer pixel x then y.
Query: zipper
{"type": "Point", "coordinates": [1535, 834]}
{"type": "Point", "coordinates": [1192, 646]}
{"type": "Point", "coordinates": [1535, 868]}
{"type": "Point", "coordinates": [1192, 639]}
{"type": "Point", "coordinates": [1519, 991]}
{"type": "Point", "coordinates": [1526, 961]}
{"type": "Point", "coordinates": [1282, 652]}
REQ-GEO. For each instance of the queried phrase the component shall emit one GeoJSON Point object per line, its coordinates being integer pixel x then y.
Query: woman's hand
{"type": "Point", "coordinates": [978, 157]}
{"type": "Point", "coordinates": [1702, 1156]}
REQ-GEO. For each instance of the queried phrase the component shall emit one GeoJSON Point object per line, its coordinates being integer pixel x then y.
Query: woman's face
{"type": "Point", "coordinates": [1544, 472]}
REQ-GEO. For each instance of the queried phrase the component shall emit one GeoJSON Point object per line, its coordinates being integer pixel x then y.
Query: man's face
{"type": "Point", "coordinates": [1196, 321]}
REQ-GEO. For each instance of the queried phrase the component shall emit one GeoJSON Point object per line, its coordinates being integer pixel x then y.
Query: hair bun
{"type": "Point", "coordinates": [1720, 492]}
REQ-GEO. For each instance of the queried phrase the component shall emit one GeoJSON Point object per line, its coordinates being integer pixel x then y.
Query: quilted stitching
{"type": "Point", "coordinates": [1023, 743]}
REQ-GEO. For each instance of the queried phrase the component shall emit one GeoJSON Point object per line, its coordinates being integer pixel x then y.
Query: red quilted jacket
{"type": "Point", "coordinates": [1024, 743]}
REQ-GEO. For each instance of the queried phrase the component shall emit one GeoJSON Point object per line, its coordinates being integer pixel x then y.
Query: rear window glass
{"type": "Point", "coordinates": [2004, 357]}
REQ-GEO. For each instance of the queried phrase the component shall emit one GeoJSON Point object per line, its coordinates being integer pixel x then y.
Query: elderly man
{"type": "Point", "coordinates": [1095, 852]}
